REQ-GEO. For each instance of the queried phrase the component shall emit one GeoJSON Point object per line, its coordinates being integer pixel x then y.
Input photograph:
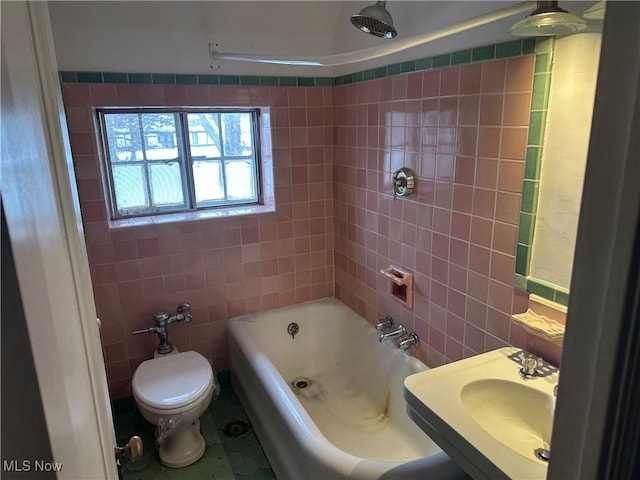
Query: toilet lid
{"type": "Point", "coordinates": [172, 381]}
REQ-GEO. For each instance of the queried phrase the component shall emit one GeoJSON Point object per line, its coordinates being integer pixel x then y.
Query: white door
{"type": "Point", "coordinates": [45, 230]}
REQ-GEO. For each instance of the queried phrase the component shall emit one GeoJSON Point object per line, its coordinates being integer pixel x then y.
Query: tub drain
{"type": "Point", "coordinates": [300, 382]}
{"type": "Point", "coordinates": [235, 428]}
{"type": "Point", "coordinates": [542, 454]}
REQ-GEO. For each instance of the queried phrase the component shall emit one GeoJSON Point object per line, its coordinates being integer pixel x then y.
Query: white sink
{"type": "Point", "coordinates": [484, 415]}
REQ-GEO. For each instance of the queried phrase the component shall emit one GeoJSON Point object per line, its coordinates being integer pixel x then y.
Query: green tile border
{"type": "Point", "coordinates": [548, 290]}
{"type": "Point", "coordinates": [543, 49]}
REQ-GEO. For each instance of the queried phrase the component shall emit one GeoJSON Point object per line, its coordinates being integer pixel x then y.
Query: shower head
{"type": "Point", "coordinates": [375, 20]}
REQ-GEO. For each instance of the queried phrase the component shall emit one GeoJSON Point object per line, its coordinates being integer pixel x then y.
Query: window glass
{"type": "Point", "coordinates": [179, 160]}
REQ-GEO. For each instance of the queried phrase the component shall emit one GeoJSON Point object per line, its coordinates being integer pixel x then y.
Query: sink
{"type": "Point", "coordinates": [488, 419]}
{"type": "Point", "coordinates": [512, 413]}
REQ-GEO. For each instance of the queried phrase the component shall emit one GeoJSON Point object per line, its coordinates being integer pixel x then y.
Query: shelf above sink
{"type": "Point", "coordinates": [488, 419]}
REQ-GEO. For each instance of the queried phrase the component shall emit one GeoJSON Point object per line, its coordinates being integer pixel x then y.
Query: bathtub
{"type": "Point", "coordinates": [327, 403]}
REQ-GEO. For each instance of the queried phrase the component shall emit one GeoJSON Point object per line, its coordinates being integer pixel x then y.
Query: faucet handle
{"type": "Point", "coordinates": [530, 363]}
{"type": "Point", "coordinates": [409, 340]}
{"type": "Point", "coordinates": [384, 323]}
{"type": "Point", "coordinates": [184, 309]}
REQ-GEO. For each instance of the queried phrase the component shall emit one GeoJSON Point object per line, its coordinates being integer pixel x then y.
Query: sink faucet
{"type": "Point", "coordinates": [530, 364]}
{"type": "Point", "coordinates": [396, 332]}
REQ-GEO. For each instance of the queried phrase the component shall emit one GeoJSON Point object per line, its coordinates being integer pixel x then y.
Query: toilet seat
{"type": "Point", "coordinates": [172, 382]}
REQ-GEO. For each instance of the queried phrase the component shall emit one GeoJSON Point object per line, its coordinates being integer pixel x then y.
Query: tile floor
{"type": "Point", "coordinates": [225, 458]}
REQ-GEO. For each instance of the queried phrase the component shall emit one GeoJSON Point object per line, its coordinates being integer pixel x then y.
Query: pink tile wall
{"type": "Point", "coordinates": [463, 131]}
{"type": "Point", "coordinates": [224, 267]}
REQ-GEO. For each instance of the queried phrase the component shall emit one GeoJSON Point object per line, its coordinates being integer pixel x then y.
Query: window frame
{"type": "Point", "coordinates": [185, 160]}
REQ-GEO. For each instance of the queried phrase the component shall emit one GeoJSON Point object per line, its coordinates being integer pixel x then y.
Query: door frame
{"type": "Point", "coordinates": [598, 374]}
{"type": "Point", "coordinates": [47, 238]}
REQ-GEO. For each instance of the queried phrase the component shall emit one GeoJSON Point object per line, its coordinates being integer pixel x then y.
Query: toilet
{"type": "Point", "coordinates": [172, 391]}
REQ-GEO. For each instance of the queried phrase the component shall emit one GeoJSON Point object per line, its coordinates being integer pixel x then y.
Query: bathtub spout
{"type": "Point", "coordinates": [396, 332]}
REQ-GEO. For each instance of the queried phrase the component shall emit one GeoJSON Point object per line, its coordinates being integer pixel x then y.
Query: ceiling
{"type": "Point", "coordinates": [170, 36]}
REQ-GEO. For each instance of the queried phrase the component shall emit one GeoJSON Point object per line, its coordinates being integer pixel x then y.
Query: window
{"type": "Point", "coordinates": [166, 161]}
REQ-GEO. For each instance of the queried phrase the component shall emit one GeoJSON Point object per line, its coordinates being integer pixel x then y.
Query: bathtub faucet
{"type": "Point", "coordinates": [396, 332]}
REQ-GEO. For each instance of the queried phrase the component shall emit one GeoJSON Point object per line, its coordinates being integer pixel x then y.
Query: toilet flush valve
{"type": "Point", "coordinates": [161, 327]}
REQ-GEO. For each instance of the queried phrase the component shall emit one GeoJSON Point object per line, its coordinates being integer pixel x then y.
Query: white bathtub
{"type": "Point", "coordinates": [350, 421]}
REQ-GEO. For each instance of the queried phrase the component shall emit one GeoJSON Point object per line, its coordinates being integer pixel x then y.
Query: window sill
{"type": "Point", "coordinates": [192, 216]}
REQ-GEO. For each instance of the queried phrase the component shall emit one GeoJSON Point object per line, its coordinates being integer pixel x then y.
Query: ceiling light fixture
{"type": "Point", "coordinates": [596, 11]}
{"type": "Point", "coordinates": [375, 20]}
{"type": "Point", "coordinates": [547, 20]}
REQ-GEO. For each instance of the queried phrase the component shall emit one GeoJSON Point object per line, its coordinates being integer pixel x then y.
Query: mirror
{"type": "Point", "coordinates": [560, 126]}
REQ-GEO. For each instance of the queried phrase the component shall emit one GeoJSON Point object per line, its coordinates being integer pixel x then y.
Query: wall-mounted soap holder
{"type": "Point", "coordinates": [401, 286]}
{"type": "Point", "coordinates": [403, 182]}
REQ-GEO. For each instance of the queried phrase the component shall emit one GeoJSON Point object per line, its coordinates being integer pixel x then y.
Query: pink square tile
{"type": "Point", "coordinates": [514, 143]}
{"type": "Point", "coordinates": [486, 173]}
{"type": "Point", "coordinates": [103, 95]}
{"type": "Point", "coordinates": [468, 110]}
{"type": "Point", "coordinates": [464, 170]}
{"type": "Point", "coordinates": [431, 84]}
{"type": "Point", "coordinates": [448, 111]}
{"type": "Point", "coordinates": [500, 296]}
{"type": "Point", "coordinates": [414, 85]}
{"type": "Point", "coordinates": [505, 237]}
{"type": "Point", "coordinates": [476, 313]}
{"type": "Point", "coordinates": [125, 250]}
{"type": "Point", "coordinates": [128, 95]}
{"type": "Point", "coordinates": [508, 207]}
{"type": "Point", "coordinates": [297, 96]}
{"type": "Point", "coordinates": [479, 258]}
{"type": "Point", "coordinates": [153, 95]}
{"type": "Point", "coordinates": [493, 76]}
{"type": "Point", "coordinates": [440, 246]}
{"type": "Point", "coordinates": [491, 109]}
{"type": "Point", "coordinates": [520, 73]}
{"type": "Point", "coordinates": [498, 324]}
{"type": "Point", "coordinates": [450, 81]}
{"type": "Point", "coordinates": [459, 252]}
{"type": "Point", "coordinates": [484, 202]}
{"type": "Point", "coordinates": [481, 231]}
{"type": "Point", "coordinates": [399, 86]}
{"type": "Point", "coordinates": [474, 338]}
{"type": "Point", "coordinates": [467, 140]}
{"type": "Point", "coordinates": [462, 198]}
{"type": "Point", "coordinates": [460, 225]}
{"type": "Point", "coordinates": [477, 286]}
{"type": "Point", "coordinates": [470, 77]}
{"type": "Point", "coordinates": [511, 176]}
{"type": "Point", "coordinates": [84, 143]}
{"type": "Point", "coordinates": [103, 274]}
{"type": "Point", "coordinates": [148, 247]}
{"type": "Point", "coordinates": [516, 109]}
{"type": "Point", "coordinates": [77, 94]}
{"type": "Point", "coordinates": [127, 271]}
{"type": "Point", "coordinates": [430, 112]}
{"type": "Point", "coordinates": [198, 95]}
{"type": "Point", "coordinates": [502, 267]}
{"type": "Point", "coordinates": [446, 140]}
